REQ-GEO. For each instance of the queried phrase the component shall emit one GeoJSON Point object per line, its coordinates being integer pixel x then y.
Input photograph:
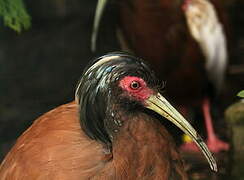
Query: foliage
{"type": "Point", "coordinates": [241, 94]}
{"type": "Point", "coordinates": [14, 14]}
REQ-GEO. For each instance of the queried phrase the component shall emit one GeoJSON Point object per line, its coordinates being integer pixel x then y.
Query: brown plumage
{"type": "Point", "coordinates": [61, 145]}
{"type": "Point", "coordinates": [55, 147]}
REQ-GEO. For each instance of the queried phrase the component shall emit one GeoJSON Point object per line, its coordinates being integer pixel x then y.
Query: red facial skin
{"type": "Point", "coordinates": [141, 93]}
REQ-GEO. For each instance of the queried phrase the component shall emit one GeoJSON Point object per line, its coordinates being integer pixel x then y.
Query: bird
{"type": "Point", "coordinates": [185, 42]}
{"type": "Point", "coordinates": [112, 130]}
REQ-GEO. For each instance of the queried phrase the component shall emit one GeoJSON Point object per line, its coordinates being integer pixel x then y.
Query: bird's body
{"type": "Point", "coordinates": [109, 132]}
{"type": "Point", "coordinates": [158, 31]}
{"type": "Point", "coordinates": [55, 147]}
{"type": "Point", "coordinates": [52, 148]}
{"type": "Point", "coordinates": [155, 32]}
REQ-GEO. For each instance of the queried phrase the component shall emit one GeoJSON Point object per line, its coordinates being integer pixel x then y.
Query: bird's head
{"type": "Point", "coordinates": [121, 80]}
{"type": "Point", "coordinates": [114, 79]}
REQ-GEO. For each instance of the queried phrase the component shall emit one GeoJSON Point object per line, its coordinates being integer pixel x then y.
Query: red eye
{"type": "Point", "coordinates": [135, 85]}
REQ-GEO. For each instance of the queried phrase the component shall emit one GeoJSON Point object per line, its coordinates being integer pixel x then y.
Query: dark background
{"type": "Point", "coordinates": [40, 67]}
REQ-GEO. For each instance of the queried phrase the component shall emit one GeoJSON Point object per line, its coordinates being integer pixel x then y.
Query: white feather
{"type": "Point", "coordinates": [207, 30]}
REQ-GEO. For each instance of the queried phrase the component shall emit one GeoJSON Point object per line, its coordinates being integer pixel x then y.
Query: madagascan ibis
{"type": "Point", "coordinates": [185, 43]}
{"type": "Point", "coordinates": [111, 131]}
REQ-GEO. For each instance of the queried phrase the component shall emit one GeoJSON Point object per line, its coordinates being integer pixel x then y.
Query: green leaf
{"type": "Point", "coordinates": [14, 14]}
{"type": "Point", "coordinates": [241, 94]}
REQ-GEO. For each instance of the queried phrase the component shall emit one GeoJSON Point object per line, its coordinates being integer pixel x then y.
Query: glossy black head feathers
{"type": "Point", "coordinates": [98, 90]}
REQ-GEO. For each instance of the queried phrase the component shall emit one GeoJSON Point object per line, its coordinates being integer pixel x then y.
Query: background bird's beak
{"type": "Point", "coordinates": [160, 105]}
{"type": "Point", "coordinates": [101, 4]}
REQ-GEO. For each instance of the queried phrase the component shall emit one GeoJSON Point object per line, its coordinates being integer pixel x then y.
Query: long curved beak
{"type": "Point", "coordinates": [160, 105]}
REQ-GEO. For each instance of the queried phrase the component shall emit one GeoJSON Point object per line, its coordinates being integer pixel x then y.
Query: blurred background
{"type": "Point", "coordinates": [40, 66]}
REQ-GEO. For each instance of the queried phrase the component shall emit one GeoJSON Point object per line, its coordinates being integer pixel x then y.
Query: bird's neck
{"type": "Point", "coordinates": [143, 148]}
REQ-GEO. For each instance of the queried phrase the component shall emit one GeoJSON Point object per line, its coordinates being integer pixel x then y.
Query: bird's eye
{"type": "Point", "coordinates": [135, 85]}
